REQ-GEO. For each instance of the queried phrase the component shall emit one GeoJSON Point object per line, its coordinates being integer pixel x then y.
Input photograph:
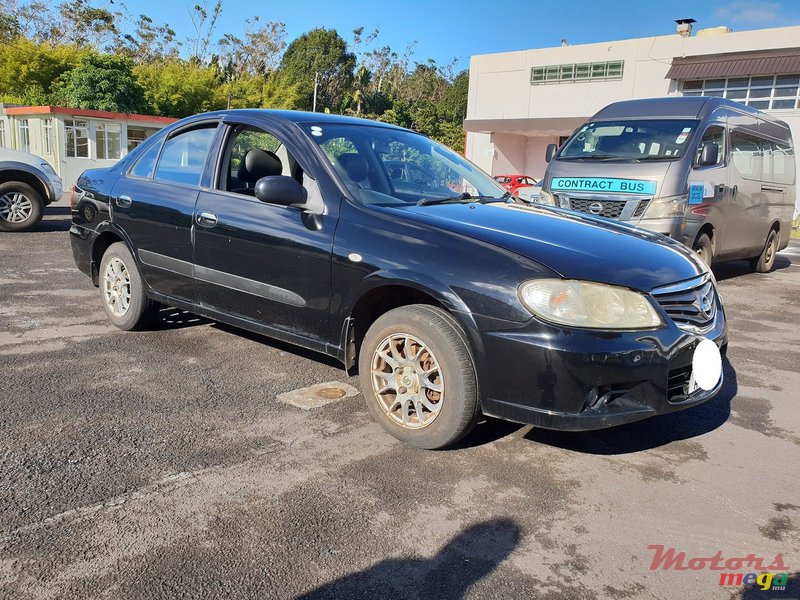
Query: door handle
{"type": "Point", "coordinates": [124, 201]}
{"type": "Point", "coordinates": [206, 219]}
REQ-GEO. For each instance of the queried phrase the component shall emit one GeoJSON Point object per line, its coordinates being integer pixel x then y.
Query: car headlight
{"type": "Point", "coordinates": [664, 208]}
{"type": "Point", "coordinates": [545, 198]}
{"type": "Point", "coordinates": [587, 304]}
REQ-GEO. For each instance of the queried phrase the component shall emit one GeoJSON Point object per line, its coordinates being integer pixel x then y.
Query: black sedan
{"type": "Point", "coordinates": [452, 299]}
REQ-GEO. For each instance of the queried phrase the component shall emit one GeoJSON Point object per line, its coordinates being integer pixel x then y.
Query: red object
{"type": "Point", "coordinates": [514, 182]}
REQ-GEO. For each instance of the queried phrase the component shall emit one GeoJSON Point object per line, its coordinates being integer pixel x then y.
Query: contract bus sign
{"type": "Point", "coordinates": [750, 570]}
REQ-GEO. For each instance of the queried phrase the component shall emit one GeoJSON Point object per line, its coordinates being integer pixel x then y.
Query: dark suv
{"type": "Point", "coordinates": [453, 300]}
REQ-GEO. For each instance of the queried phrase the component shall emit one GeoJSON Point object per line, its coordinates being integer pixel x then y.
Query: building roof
{"type": "Point", "coordinates": [83, 112]}
{"type": "Point", "coordinates": [783, 61]}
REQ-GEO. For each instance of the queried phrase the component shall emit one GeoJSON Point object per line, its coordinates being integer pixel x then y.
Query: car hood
{"type": "Point", "coordinates": [575, 246]}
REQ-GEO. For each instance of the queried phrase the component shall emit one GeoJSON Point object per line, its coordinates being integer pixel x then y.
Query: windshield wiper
{"type": "Point", "coordinates": [656, 158]}
{"type": "Point", "coordinates": [464, 198]}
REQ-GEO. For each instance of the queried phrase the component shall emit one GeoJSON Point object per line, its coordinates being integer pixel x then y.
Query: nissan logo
{"type": "Point", "coordinates": [706, 306]}
{"type": "Point", "coordinates": [596, 208]}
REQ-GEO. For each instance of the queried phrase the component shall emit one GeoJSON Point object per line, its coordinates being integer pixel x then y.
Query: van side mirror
{"type": "Point", "coordinates": [709, 154]}
{"type": "Point", "coordinates": [550, 152]}
{"type": "Point", "coordinates": [281, 190]}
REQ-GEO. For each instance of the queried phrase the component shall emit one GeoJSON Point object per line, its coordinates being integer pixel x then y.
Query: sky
{"type": "Point", "coordinates": [452, 29]}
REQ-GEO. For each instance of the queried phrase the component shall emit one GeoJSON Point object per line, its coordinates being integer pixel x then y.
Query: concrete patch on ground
{"type": "Point", "coordinates": [318, 395]}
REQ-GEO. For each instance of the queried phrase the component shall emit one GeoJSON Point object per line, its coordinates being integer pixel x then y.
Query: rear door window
{"type": "Point", "coordinates": [184, 156]}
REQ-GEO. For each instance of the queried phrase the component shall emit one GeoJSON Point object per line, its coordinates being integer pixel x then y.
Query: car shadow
{"type": "Point", "coordinates": [280, 345]}
{"type": "Point", "coordinates": [648, 433]}
{"type": "Point", "coordinates": [468, 557]}
{"type": "Point", "coordinates": [737, 268]}
{"type": "Point", "coordinates": [176, 318]}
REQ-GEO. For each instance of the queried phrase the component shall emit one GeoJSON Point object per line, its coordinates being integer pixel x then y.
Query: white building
{"type": "Point", "coordinates": [73, 140]}
{"type": "Point", "coordinates": [521, 101]}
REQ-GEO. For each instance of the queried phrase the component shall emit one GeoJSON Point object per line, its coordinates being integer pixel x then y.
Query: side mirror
{"type": "Point", "coordinates": [709, 154]}
{"type": "Point", "coordinates": [280, 189]}
{"type": "Point", "coordinates": [550, 152]}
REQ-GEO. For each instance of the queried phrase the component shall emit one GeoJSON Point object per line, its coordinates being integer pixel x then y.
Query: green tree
{"type": "Point", "coordinates": [28, 70]}
{"type": "Point", "coordinates": [101, 82]}
{"type": "Point", "coordinates": [178, 88]}
{"type": "Point", "coordinates": [322, 52]}
{"type": "Point", "coordinates": [74, 22]}
{"type": "Point", "coordinates": [279, 92]}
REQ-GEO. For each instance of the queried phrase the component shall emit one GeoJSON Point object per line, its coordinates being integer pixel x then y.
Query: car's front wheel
{"type": "Point", "coordinates": [418, 376]}
{"type": "Point", "coordinates": [21, 206]}
{"type": "Point", "coordinates": [122, 290]}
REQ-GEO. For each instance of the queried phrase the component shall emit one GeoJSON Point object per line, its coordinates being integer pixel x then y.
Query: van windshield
{"type": "Point", "coordinates": [630, 140]}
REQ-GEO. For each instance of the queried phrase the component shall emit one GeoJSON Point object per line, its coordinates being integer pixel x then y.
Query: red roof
{"type": "Point", "coordinates": [83, 112]}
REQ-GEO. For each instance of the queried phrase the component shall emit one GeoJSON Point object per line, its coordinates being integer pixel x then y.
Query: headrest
{"type": "Point", "coordinates": [355, 165]}
{"type": "Point", "coordinates": [259, 163]}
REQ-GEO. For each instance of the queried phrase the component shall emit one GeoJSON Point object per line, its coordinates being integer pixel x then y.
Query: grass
{"type": "Point", "coordinates": [795, 230]}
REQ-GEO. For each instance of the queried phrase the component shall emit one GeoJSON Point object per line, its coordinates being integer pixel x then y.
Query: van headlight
{"type": "Point", "coordinates": [667, 207]}
{"type": "Point", "coordinates": [546, 198]}
{"type": "Point", "coordinates": [588, 304]}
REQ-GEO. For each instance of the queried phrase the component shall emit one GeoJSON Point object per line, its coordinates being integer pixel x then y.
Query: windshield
{"type": "Point", "coordinates": [395, 167]}
{"type": "Point", "coordinates": [634, 140]}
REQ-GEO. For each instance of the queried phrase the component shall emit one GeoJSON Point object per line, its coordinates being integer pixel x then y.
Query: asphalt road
{"type": "Point", "coordinates": [160, 464]}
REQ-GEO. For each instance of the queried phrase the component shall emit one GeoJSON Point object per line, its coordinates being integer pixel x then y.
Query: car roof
{"type": "Point", "coordinates": [301, 117]}
{"type": "Point", "coordinates": [687, 107]}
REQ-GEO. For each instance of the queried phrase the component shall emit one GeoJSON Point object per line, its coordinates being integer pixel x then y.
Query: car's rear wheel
{"type": "Point", "coordinates": [704, 248]}
{"type": "Point", "coordinates": [122, 290]}
{"type": "Point", "coordinates": [764, 262]}
{"type": "Point", "coordinates": [418, 376]}
{"type": "Point", "coordinates": [21, 206]}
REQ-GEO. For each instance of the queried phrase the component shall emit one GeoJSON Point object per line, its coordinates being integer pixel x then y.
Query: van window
{"type": "Point", "coordinates": [778, 162]}
{"type": "Point", "coordinates": [715, 134]}
{"type": "Point", "coordinates": [630, 140]}
{"type": "Point", "coordinates": [746, 154]}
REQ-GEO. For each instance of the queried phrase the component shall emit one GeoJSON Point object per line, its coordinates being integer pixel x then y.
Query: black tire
{"type": "Point", "coordinates": [704, 248]}
{"type": "Point", "coordinates": [445, 344]}
{"type": "Point", "coordinates": [140, 309]}
{"type": "Point", "coordinates": [19, 200]}
{"type": "Point", "coordinates": [764, 262]}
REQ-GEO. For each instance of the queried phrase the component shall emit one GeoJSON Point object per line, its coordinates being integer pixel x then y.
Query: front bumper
{"type": "Point", "coordinates": [577, 379]}
{"type": "Point", "coordinates": [672, 227]}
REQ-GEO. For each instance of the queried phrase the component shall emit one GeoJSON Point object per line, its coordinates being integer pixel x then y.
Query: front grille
{"type": "Point", "coordinates": [612, 209]}
{"type": "Point", "coordinates": [678, 383]}
{"type": "Point", "coordinates": [641, 208]}
{"type": "Point", "coordinates": [692, 303]}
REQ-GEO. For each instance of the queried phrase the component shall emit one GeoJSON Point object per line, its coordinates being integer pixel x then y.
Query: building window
{"type": "Point", "coordinates": [137, 135]}
{"type": "Point", "coordinates": [48, 141]}
{"type": "Point", "coordinates": [108, 140]}
{"type": "Point", "coordinates": [2, 134]}
{"type": "Point", "coordinates": [577, 72]}
{"type": "Point", "coordinates": [763, 93]}
{"type": "Point", "coordinates": [24, 136]}
{"type": "Point", "coordinates": [77, 138]}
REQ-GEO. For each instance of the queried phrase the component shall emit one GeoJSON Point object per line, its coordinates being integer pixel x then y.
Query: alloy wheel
{"type": "Point", "coordinates": [117, 287]}
{"type": "Point", "coordinates": [15, 207]}
{"type": "Point", "coordinates": [407, 381]}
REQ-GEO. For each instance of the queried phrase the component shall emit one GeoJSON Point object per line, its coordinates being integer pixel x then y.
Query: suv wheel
{"type": "Point", "coordinates": [21, 206]}
{"type": "Point", "coordinates": [418, 376]}
{"type": "Point", "coordinates": [764, 262]}
{"type": "Point", "coordinates": [122, 290]}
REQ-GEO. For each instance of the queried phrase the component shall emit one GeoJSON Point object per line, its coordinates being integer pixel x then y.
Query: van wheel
{"type": "Point", "coordinates": [21, 206]}
{"type": "Point", "coordinates": [418, 376]}
{"type": "Point", "coordinates": [764, 262]}
{"type": "Point", "coordinates": [122, 290]}
{"type": "Point", "coordinates": [704, 248]}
